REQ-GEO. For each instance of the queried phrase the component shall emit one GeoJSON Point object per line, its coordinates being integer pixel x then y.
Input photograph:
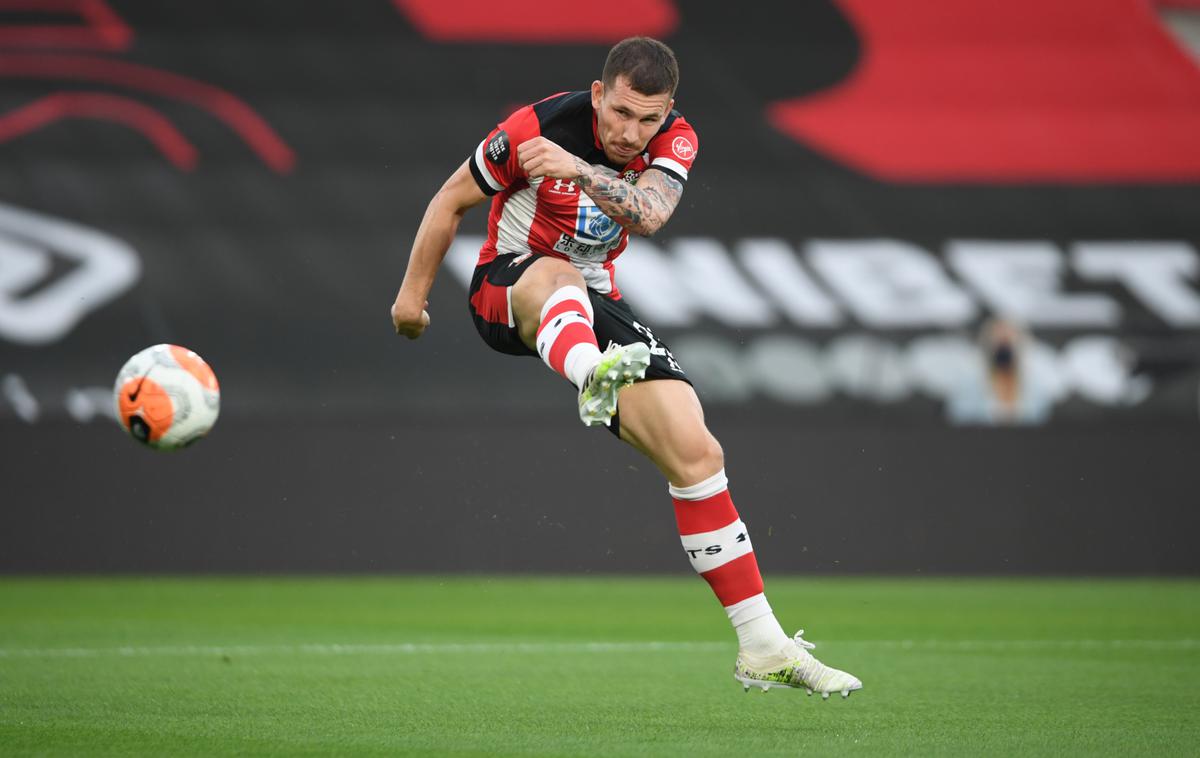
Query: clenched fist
{"type": "Point", "coordinates": [541, 157]}
{"type": "Point", "coordinates": [409, 319]}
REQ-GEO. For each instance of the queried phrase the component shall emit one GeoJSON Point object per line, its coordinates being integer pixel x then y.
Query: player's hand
{"type": "Point", "coordinates": [541, 157]}
{"type": "Point", "coordinates": [409, 320]}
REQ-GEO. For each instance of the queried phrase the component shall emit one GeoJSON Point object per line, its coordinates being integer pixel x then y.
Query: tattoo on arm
{"type": "Point", "coordinates": [642, 209]}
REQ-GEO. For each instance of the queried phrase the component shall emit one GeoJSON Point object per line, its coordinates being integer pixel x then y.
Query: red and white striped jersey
{"type": "Point", "coordinates": [554, 216]}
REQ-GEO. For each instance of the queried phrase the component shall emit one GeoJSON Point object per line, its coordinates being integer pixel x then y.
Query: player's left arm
{"type": "Point", "coordinates": [642, 208]}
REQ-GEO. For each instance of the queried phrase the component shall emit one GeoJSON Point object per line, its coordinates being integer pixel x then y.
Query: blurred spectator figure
{"type": "Point", "coordinates": [1000, 389]}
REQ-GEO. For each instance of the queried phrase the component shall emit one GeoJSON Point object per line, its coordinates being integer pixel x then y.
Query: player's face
{"type": "Point", "coordinates": [626, 119]}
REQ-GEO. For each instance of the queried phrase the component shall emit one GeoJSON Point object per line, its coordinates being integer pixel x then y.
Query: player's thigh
{"type": "Point", "coordinates": [538, 282]}
{"type": "Point", "coordinates": [664, 420]}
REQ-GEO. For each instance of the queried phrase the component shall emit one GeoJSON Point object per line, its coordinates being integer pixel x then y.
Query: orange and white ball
{"type": "Point", "coordinates": [167, 397]}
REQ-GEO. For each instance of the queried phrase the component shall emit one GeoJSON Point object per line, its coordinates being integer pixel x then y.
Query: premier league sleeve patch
{"type": "Point", "coordinates": [497, 148]}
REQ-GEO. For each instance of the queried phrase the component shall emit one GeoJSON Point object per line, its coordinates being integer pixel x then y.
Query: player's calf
{"type": "Point", "coordinates": [717, 543]}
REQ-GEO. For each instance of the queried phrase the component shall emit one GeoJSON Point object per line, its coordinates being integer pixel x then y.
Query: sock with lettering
{"type": "Point", "coordinates": [565, 339]}
{"type": "Point", "coordinates": [718, 545]}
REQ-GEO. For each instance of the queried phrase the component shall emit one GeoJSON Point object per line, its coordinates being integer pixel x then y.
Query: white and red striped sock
{"type": "Point", "coordinates": [718, 545]}
{"type": "Point", "coordinates": [565, 339]}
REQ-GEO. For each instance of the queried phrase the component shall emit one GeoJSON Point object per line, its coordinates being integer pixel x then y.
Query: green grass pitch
{"type": "Point", "coordinates": [590, 667]}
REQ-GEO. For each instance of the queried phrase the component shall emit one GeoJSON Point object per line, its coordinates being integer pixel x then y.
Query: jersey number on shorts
{"type": "Point", "coordinates": [658, 349]}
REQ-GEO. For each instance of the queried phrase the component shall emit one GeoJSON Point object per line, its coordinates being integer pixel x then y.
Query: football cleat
{"type": "Point", "coordinates": [794, 667]}
{"type": "Point", "coordinates": [619, 367]}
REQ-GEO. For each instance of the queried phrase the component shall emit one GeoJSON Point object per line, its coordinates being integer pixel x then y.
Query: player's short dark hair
{"type": "Point", "coordinates": [648, 65]}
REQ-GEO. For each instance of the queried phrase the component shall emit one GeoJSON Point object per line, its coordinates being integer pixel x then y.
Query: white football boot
{"type": "Point", "coordinates": [619, 367]}
{"type": "Point", "coordinates": [793, 667]}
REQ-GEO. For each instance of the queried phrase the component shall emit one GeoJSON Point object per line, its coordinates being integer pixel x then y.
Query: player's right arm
{"type": "Point", "coordinates": [459, 194]}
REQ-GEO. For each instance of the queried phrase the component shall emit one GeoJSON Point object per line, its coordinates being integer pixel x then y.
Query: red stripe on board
{"type": "Point", "coordinates": [736, 580]}
{"type": "Point", "coordinates": [241, 118]}
{"type": "Point", "coordinates": [524, 21]}
{"type": "Point", "coordinates": [102, 28]}
{"type": "Point", "coordinates": [142, 118]}
{"type": "Point", "coordinates": [569, 337]}
{"type": "Point", "coordinates": [1014, 91]}
{"type": "Point", "coordinates": [707, 515]}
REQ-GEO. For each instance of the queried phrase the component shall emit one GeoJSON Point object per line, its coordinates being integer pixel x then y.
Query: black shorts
{"type": "Point", "coordinates": [490, 303]}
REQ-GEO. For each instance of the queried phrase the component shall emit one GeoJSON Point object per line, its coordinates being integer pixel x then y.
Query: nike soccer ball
{"type": "Point", "coordinates": [167, 397]}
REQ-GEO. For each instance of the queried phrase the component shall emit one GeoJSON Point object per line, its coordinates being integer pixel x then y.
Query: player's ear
{"type": "Point", "coordinates": [597, 93]}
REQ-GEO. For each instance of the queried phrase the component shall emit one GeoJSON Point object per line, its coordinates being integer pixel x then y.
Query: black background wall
{"type": "Point", "coordinates": [541, 495]}
{"type": "Point", "coordinates": [275, 244]}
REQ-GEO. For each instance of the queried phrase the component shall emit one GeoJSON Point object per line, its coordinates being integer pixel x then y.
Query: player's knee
{"type": "Point", "coordinates": [540, 282]}
{"type": "Point", "coordinates": [713, 458]}
{"type": "Point", "coordinates": [699, 460]}
{"type": "Point", "coordinates": [571, 278]}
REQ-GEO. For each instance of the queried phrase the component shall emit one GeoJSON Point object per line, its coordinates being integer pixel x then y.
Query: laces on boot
{"type": "Point", "coordinates": [798, 638]}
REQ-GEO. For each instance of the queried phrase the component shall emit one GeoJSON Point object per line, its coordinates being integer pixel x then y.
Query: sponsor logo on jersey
{"type": "Point", "coordinates": [564, 187]}
{"type": "Point", "coordinates": [497, 148]}
{"type": "Point", "coordinates": [595, 233]}
{"type": "Point", "coordinates": [568, 245]}
{"type": "Point", "coordinates": [592, 224]}
{"type": "Point", "coordinates": [683, 148]}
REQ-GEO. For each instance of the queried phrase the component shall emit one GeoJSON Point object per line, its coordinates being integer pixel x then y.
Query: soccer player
{"type": "Point", "coordinates": [570, 177]}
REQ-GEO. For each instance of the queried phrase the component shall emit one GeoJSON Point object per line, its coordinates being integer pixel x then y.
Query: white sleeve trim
{"type": "Point", "coordinates": [481, 165]}
{"type": "Point", "coordinates": [675, 166]}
